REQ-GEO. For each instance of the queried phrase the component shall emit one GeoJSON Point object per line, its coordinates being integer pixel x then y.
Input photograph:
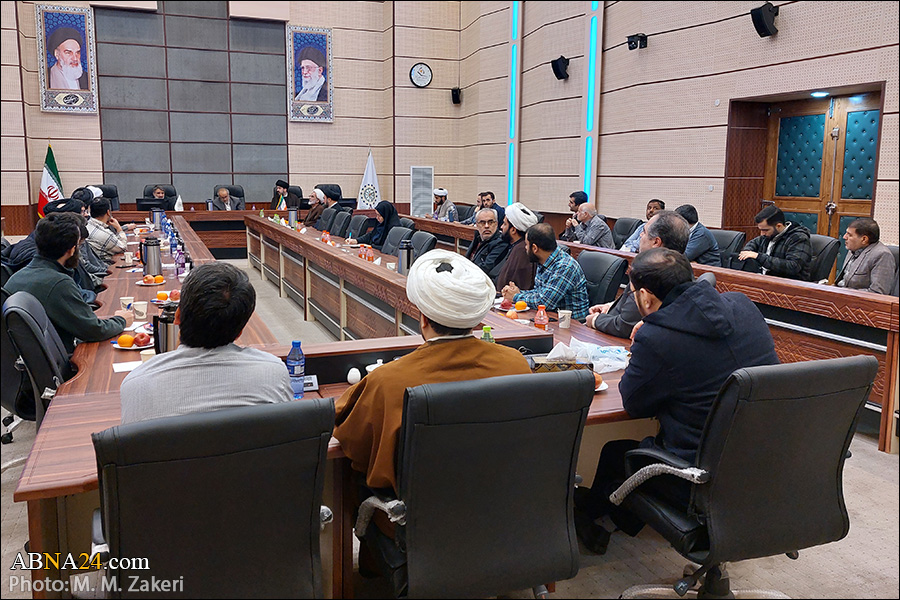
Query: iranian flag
{"type": "Point", "coordinates": [51, 188]}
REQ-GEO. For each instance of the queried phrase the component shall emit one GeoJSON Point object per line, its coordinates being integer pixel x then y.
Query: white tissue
{"type": "Point", "coordinates": [604, 358]}
{"type": "Point", "coordinates": [561, 352]}
{"type": "Point", "coordinates": [377, 261]}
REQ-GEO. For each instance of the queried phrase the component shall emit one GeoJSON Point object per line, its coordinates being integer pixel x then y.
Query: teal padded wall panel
{"type": "Point", "coordinates": [799, 170]}
{"type": "Point", "coordinates": [860, 146]}
{"type": "Point", "coordinates": [842, 229]}
{"type": "Point", "coordinates": [808, 220]}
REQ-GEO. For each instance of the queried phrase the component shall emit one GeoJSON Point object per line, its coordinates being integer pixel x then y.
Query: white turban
{"type": "Point", "coordinates": [440, 192]}
{"type": "Point", "coordinates": [319, 194]}
{"type": "Point", "coordinates": [97, 192]}
{"type": "Point", "coordinates": [520, 217]}
{"type": "Point", "coordinates": [450, 289]}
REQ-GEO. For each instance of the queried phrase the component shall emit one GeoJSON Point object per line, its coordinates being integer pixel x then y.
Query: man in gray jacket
{"type": "Point", "coordinates": [869, 265]}
{"type": "Point", "coordinates": [588, 228]}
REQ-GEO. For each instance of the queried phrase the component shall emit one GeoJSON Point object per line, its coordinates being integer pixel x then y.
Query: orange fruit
{"type": "Point", "coordinates": [159, 279]}
{"type": "Point", "coordinates": [125, 340]}
{"type": "Point", "coordinates": [162, 296]}
{"type": "Point", "coordinates": [521, 305]}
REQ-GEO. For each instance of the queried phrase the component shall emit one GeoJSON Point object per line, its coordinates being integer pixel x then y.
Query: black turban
{"type": "Point", "coordinates": [313, 54]}
{"type": "Point", "coordinates": [64, 205]}
{"type": "Point", "coordinates": [281, 183]}
{"type": "Point", "coordinates": [62, 34]}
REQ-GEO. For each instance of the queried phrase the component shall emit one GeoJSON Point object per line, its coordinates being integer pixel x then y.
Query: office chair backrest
{"type": "Point", "coordinates": [895, 252]}
{"type": "Point", "coordinates": [35, 339]}
{"type": "Point", "coordinates": [774, 444]}
{"type": "Point", "coordinates": [235, 191]}
{"type": "Point", "coordinates": [341, 224]}
{"type": "Point", "coordinates": [5, 273]}
{"type": "Point", "coordinates": [423, 242]}
{"type": "Point", "coordinates": [824, 253]}
{"type": "Point", "coordinates": [218, 484]}
{"type": "Point", "coordinates": [394, 237]}
{"type": "Point", "coordinates": [604, 273]}
{"type": "Point", "coordinates": [358, 226]}
{"type": "Point", "coordinates": [169, 190]}
{"type": "Point", "coordinates": [15, 391]}
{"type": "Point", "coordinates": [297, 191]}
{"type": "Point", "coordinates": [408, 223]}
{"type": "Point", "coordinates": [326, 220]}
{"type": "Point", "coordinates": [111, 193]}
{"type": "Point", "coordinates": [729, 241]}
{"type": "Point", "coordinates": [486, 469]}
{"type": "Point", "coordinates": [464, 211]}
{"type": "Point", "coordinates": [623, 228]}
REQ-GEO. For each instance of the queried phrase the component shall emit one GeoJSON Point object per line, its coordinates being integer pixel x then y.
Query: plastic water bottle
{"type": "Point", "coordinates": [296, 366]}
{"type": "Point", "coordinates": [486, 335]}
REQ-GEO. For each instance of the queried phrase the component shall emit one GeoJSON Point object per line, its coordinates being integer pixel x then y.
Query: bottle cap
{"type": "Point", "coordinates": [486, 328]}
{"type": "Point", "coordinates": [295, 344]}
{"type": "Point", "coordinates": [541, 307]}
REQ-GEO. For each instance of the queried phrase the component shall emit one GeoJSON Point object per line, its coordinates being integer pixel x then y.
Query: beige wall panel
{"type": "Point", "coordinates": [11, 119]}
{"type": "Point", "coordinates": [886, 202]}
{"type": "Point", "coordinates": [341, 160]}
{"type": "Point", "coordinates": [889, 150]}
{"type": "Point", "coordinates": [70, 155]}
{"type": "Point", "coordinates": [8, 15]}
{"type": "Point", "coordinates": [485, 96]}
{"type": "Point", "coordinates": [550, 157]}
{"type": "Point", "coordinates": [360, 74]}
{"type": "Point", "coordinates": [889, 70]}
{"type": "Point", "coordinates": [540, 85]}
{"type": "Point", "coordinates": [346, 130]}
{"type": "Point", "coordinates": [685, 153]}
{"type": "Point", "coordinates": [483, 129]}
{"type": "Point", "coordinates": [627, 197]}
{"type": "Point", "coordinates": [552, 119]}
{"type": "Point", "coordinates": [625, 18]}
{"type": "Point", "coordinates": [489, 30]}
{"type": "Point", "coordinates": [427, 132]}
{"type": "Point", "coordinates": [346, 15]}
{"type": "Point", "coordinates": [10, 85]}
{"type": "Point", "coordinates": [487, 63]}
{"type": "Point", "coordinates": [31, 88]}
{"type": "Point", "coordinates": [538, 14]}
{"type": "Point", "coordinates": [427, 44]}
{"type": "Point", "coordinates": [61, 126]}
{"type": "Point", "coordinates": [10, 45]}
{"type": "Point", "coordinates": [358, 103]}
{"type": "Point", "coordinates": [276, 11]}
{"type": "Point", "coordinates": [29, 54]}
{"type": "Point", "coordinates": [15, 188]}
{"type": "Point", "coordinates": [446, 73]}
{"type": "Point", "coordinates": [444, 160]}
{"type": "Point", "coordinates": [473, 11]}
{"type": "Point", "coordinates": [457, 187]}
{"type": "Point", "coordinates": [547, 194]}
{"type": "Point", "coordinates": [547, 43]}
{"type": "Point", "coordinates": [26, 18]}
{"type": "Point", "coordinates": [358, 44]}
{"type": "Point", "coordinates": [425, 102]}
{"type": "Point", "coordinates": [13, 154]}
{"type": "Point", "coordinates": [436, 15]}
{"type": "Point", "coordinates": [483, 160]}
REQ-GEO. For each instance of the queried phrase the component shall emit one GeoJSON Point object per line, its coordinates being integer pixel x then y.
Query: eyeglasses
{"type": "Point", "coordinates": [309, 69]}
{"type": "Point", "coordinates": [485, 223]}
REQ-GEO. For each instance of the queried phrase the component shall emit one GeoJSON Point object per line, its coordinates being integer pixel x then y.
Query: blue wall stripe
{"type": "Point", "coordinates": [592, 72]}
{"type": "Point", "coordinates": [513, 77]}
{"type": "Point", "coordinates": [588, 161]}
{"type": "Point", "coordinates": [510, 162]}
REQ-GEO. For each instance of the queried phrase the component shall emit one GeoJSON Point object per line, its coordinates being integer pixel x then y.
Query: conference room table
{"type": "Point", "coordinates": [59, 479]}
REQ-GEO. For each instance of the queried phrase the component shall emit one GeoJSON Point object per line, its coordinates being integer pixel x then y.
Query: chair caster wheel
{"type": "Point", "coordinates": [540, 592]}
{"type": "Point", "coordinates": [6, 438]}
{"type": "Point", "coordinates": [682, 586]}
{"type": "Point", "coordinates": [7, 420]}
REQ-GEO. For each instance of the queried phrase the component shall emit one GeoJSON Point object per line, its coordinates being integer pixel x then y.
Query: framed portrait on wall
{"type": "Point", "coordinates": [311, 81]}
{"type": "Point", "coordinates": [66, 58]}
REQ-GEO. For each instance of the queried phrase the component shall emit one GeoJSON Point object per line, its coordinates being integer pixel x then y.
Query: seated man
{"type": "Point", "coordinates": [869, 265]}
{"type": "Point", "coordinates": [702, 246]}
{"type": "Point", "coordinates": [488, 249]}
{"type": "Point", "coordinates": [49, 278]}
{"type": "Point", "coordinates": [588, 228]}
{"type": "Point", "coordinates": [518, 268]}
{"type": "Point", "coordinates": [332, 195]}
{"type": "Point", "coordinates": [559, 283]}
{"type": "Point", "coordinates": [208, 371]}
{"type": "Point", "coordinates": [783, 249]}
{"type": "Point", "coordinates": [316, 207]}
{"type": "Point", "coordinates": [283, 199]}
{"type": "Point", "coordinates": [224, 201]}
{"type": "Point", "coordinates": [692, 338]}
{"type": "Point", "coordinates": [444, 210]}
{"type": "Point", "coordinates": [666, 229]}
{"type": "Point", "coordinates": [634, 240]}
{"type": "Point", "coordinates": [160, 194]}
{"type": "Point", "coordinates": [105, 235]}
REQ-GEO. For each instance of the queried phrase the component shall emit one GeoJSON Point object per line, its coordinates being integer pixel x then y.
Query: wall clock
{"type": "Point", "coordinates": [420, 75]}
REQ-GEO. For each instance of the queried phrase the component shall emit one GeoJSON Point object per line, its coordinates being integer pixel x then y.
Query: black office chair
{"type": "Point", "coordinates": [5, 273]}
{"type": "Point", "coordinates": [341, 224]}
{"type": "Point", "coordinates": [326, 220]}
{"type": "Point", "coordinates": [463, 211]}
{"type": "Point", "coordinates": [168, 203]}
{"type": "Point", "coordinates": [408, 223]}
{"type": "Point", "coordinates": [824, 253]}
{"type": "Point", "coordinates": [394, 237]}
{"type": "Point", "coordinates": [422, 242]}
{"type": "Point", "coordinates": [359, 224]}
{"type": "Point", "coordinates": [235, 191]}
{"type": "Point", "coordinates": [768, 478]}
{"type": "Point", "coordinates": [298, 191]}
{"type": "Point", "coordinates": [623, 229]}
{"type": "Point", "coordinates": [111, 193]}
{"type": "Point", "coordinates": [215, 485]}
{"type": "Point", "coordinates": [169, 190]}
{"type": "Point", "coordinates": [730, 242]}
{"type": "Point", "coordinates": [604, 273]}
{"type": "Point", "coordinates": [486, 479]}
{"type": "Point", "coordinates": [895, 251]}
{"type": "Point", "coordinates": [35, 339]}
{"type": "Point", "coordinates": [16, 396]}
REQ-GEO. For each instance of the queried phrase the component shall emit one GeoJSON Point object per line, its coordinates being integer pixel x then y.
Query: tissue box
{"type": "Point", "coordinates": [540, 364]}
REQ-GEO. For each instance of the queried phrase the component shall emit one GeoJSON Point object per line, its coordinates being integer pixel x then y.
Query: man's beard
{"type": "Point", "coordinates": [504, 235]}
{"type": "Point", "coordinates": [72, 261]}
{"type": "Point", "coordinates": [487, 235]}
{"type": "Point", "coordinates": [532, 257]}
{"type": "Point", "coordinates": [309, 81]}
{"type": "Point", "coordinates": [72, 73]}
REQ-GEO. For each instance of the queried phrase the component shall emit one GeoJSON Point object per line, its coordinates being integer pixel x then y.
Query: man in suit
{"type": "Point", "coordinates": [224, 201]}
{"type": "Point", "coordinates": [702, 246]}
{"type": "Point", "coordinates": [869, 265]}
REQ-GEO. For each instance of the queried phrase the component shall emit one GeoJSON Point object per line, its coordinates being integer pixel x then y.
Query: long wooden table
{"type": "Point", "coordinates": [59, 480]}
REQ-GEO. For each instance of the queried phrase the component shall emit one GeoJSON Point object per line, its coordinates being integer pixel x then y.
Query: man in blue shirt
{"type": "Point", "coordinates": [559, 283]}
{"type": "Point", "coordinates": [634, 240]}
{"type": "Point", "coordinates": [702, 246]}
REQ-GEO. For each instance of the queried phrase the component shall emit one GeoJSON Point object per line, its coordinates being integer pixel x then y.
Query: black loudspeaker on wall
{"type": "Point", "coordinates": [456, 95]}
{"type": "Point", "coordinates": [764, 19]}
{"type": "Point", "coordinates": [560, 67]}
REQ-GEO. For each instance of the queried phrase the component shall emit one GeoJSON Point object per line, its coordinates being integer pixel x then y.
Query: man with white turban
{"type": "Point", "coordinates": [453, 296]}
{"type": "Point", "coordinates": [316, 207]}
{"type": "Point", "coordinates": [518, 268]}
{"type": "Point", "coordinates": [444, 210]}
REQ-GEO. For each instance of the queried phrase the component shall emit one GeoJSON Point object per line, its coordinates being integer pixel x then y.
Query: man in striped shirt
{"type": "Point", "coordinates": [105, 235]}
{"type": "Point", "coordinates": [559, 283]}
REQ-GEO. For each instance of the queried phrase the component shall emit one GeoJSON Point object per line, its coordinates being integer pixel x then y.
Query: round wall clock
{"type": "Point", "coordinates": [420, 75]}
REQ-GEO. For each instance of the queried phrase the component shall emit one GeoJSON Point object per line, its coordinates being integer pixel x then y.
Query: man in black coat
{"type": "Point", "coordinates": [690, 340]}
{"type": "Point", "coordinates": [783, 249]}
{"type": "Point", "coordinates": [489, 249]}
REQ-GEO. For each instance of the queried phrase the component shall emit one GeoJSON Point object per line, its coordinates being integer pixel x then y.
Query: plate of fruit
{"type": "Point", "coordinates": [152, 280]}
{"type": "Point", "coordinates": [139, 341]}
{"type": "Point", "coordinates": [171, 297]}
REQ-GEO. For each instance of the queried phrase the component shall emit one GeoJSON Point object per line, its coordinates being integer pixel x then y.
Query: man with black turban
{"type": "Point", "coordinates": [66, 44]}
{"type": "Point", "coordinates": [312, 76]}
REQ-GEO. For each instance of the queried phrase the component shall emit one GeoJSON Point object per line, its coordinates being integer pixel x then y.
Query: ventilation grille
{"type": "Point", "coordinates": [421, 191]}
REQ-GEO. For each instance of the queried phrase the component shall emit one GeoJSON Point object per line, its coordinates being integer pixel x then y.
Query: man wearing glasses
{"type": "Point", "coordinates": [489, 249]}
{"type": "Point", "coordinates": [312, 76]}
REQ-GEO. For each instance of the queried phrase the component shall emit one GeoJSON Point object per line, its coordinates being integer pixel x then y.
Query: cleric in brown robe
{"type": "Point", "coordinates": [517, 269]}
{"type": "Point", "coordinates": [316, 207]}
{"type": "Point", "coordinates": [452, 295]}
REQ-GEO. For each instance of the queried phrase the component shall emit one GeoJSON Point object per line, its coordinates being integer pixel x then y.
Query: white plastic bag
{"type": "Point", "coordinates": [604, 358]}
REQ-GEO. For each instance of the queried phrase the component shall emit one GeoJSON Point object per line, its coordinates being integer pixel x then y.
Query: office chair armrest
{"type": "Point", "coordinates": [394, 509]}
{"type": "Point", "coordinates": [692, 474]}
{"type": "Point", "coordinates": [641, 457]}
{"type": "Point", "coordinates": [98, 542]}
{"type": "Point", "coordinates": [325, 517]}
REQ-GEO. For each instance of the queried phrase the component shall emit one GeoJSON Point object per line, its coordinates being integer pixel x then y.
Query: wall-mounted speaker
{"type": "Point", "coordinates": [560, 67]}
{"type": "Point", "coordinates": [764, 19]}
{"type": "Point", "coordinates": [456, 95]}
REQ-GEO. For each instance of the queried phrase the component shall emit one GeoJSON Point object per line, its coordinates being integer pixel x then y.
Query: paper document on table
{"type": "Point", "coordinates": [135, 325]}
{"type": "Point", "coordinates": [125, 367]}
